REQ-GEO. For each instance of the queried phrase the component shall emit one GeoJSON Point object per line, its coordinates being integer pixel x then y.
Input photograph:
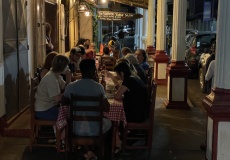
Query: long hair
{"type": "Point", "coordinates": [123, 67]}
{"type": "Point", "coordinates": [143, 54]}
{"type": "Point", "coordinates": [49, 59]}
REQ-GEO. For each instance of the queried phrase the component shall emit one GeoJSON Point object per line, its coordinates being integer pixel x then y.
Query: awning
{"type": "Point", "coordinates": [134, 3]}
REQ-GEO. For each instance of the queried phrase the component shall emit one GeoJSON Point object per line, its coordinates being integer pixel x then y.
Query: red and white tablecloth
{"type": "Point", "coordinates": [116, 113]}
{"type": "Point", "coordinates": [63, 115]}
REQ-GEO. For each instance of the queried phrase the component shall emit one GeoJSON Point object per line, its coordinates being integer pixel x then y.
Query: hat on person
{"type": "Point", "coordinates": [75, 50]}
{"type": "Point", "coordinates": [111, 43]}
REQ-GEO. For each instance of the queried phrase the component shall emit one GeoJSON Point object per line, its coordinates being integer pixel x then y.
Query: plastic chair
{"type": "Point", "coordinates": [36, 124]}
{"type": "Point", "coordinates": [76, 140]}
{"type": "Point", "coordinates": [144, 131]}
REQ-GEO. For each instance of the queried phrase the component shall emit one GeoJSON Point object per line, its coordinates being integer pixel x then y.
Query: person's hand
{"type": "Point", "coordinates": [68, 73]}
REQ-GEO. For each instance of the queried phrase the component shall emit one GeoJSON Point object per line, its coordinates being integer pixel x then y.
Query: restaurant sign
{"type": "Point", "coordinates": [117, 16]}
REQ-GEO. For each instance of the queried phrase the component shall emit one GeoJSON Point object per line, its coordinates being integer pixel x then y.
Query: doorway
{"type": "Point", "coordinates": [15, 54]}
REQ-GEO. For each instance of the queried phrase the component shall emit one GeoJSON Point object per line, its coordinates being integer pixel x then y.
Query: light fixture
{"type": "Point", "coordinates": [103, 1]}
{"type": "Point", "coordinates": [82, 8]}
{"type": "Point", "coordinates": [87, 13]}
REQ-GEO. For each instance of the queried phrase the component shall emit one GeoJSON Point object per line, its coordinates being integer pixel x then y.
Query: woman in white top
{"type": "Point", "coordinates": [48, 93]}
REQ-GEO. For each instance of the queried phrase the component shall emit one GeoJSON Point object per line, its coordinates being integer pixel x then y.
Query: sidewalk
{"type": "Point", "coordinates": [177, 136]}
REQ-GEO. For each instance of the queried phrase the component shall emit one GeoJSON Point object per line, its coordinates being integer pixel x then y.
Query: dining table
{"type": "Point", "coordinates": [116, 112]}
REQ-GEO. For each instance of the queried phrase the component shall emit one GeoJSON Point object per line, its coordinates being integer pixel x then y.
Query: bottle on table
{"type": "Point", "coordinates": [103, 83]}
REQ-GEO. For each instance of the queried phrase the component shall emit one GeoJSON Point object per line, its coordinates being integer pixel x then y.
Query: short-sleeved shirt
{"type": "Point", "coordinates": [49, 87]}
{"type": "Point", "coordinates": [85, 87]}
{"type": "Point", "coordinates": [135, 100]}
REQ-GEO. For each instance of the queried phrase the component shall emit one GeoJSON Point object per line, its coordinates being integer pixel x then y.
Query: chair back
{"type": "Point", "coordinates": [149, 81]}
{"type": "Point", "coordinates": [152, 101]}
{"type": "Point", "coordinates": [36, 124]}
{"type": "Point", "coordinates": [34, 82]}
{"type": "Point", "coordinates": [79, 105]}
{"type": "Point", "coordinates": [109, 62]}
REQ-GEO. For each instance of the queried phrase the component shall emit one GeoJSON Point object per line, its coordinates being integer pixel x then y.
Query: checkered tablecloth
{"type": "Point", "coordinates": [116, 113]}
{"type": "Point", "coordinates": [63, 115]}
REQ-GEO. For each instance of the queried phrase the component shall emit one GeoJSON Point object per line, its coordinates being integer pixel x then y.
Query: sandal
{"type": "Point", "coordinates": [117, 150]}
{"type": "Point", "coordinates": [90, 156]}
{"type": "Point", "coordinates": [62, 147]}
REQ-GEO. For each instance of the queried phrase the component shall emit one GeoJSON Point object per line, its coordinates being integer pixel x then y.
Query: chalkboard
{"type": "Point", "coordinates": [117, 16]}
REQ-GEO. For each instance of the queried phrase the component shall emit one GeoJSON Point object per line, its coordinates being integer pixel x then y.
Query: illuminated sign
{"type": "Point", "coordinates": [117, 16]}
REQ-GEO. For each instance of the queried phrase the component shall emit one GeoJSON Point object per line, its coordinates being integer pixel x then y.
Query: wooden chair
{"type": "Point", "coordinates": [98, 118]}
{"type": "Point", "coordinates": [145, 128]}
{"type": "Point", "coordinates": [149, 82]}
{"type": "Point", "coordinates": [38, 72]}
{"type": "Point", "coordinates": [36, 124]}
{"type": "Point", "coordinates": [116, 54]}
{"type": "Point", "coordinates": [109, 62]}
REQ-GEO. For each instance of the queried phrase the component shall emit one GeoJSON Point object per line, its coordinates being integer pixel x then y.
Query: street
{"type": "Point", "coordinates": [194, 93]}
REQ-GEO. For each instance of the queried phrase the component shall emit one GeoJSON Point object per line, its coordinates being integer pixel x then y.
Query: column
{"type": "Point", "coordinates": [177, 71]}
{"type": "Point", "coordinates": [217, 103]}
{"type": "Point", "coordinates": [71, 24]}
{"type": "Point", "coordinates": [151, 31]}
{"type": "Point", "coordinates": [161, 58]}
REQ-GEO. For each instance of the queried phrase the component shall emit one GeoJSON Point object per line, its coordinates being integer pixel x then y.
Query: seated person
{"type": "Point", "coordinates": [132, 92]}
{"type": "Point", "coordinates": [89, 54]}
{"type": "Point", "coordinates": [87, 87]}
{"type": "Point", "coordinates": [106, 51]}
{"type": "Point", "coordinates": [92, 47]}
{"type": "Point", "coordinates": [142, 59]}
{"type": "Point", "coordinates": [83, 52]}
{"type": "Point", "coordinates": [125, 51]}
{"type": "Point", "coordinates": [74, 57]}
{"type": "Point", "coordinates": [48, 62]}
{"type": "Point", "coordinates": [48, 93]}
{"type": "Point", "coordinates": [136, 67]}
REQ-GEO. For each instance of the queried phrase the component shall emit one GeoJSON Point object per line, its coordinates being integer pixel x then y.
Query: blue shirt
{"type": "Point", "coordinates": [144, 65]}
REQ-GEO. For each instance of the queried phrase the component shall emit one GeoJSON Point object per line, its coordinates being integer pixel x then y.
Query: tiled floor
{"type": "Point", "coordinates": [177, 136]}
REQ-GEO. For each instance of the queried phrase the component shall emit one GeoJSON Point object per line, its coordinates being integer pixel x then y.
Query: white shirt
{"type": "Point", "coordinates": [49, 87]}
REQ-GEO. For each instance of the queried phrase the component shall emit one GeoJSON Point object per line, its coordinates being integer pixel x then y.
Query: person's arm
{"type": "Point", "coordinates": [43, 73]}
{"type": "Point", "coordinates": [57, 98]}
{"type": "Point", "coordinates": [209, 74]}
{"type": "Point", "coordinates": [68, 76]}
{"type": "Point", "coordinates": [118, 95]}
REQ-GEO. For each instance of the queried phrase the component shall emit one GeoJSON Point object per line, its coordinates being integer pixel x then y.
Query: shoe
{"type": "Point", "coordinates": [117, 150]}
{"type": "Point", "coordinates": [62, 147]}
{"type": "Point", "coordinates": [90, 156]}
{"type": "Point", "coordinates": [203, 147]}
